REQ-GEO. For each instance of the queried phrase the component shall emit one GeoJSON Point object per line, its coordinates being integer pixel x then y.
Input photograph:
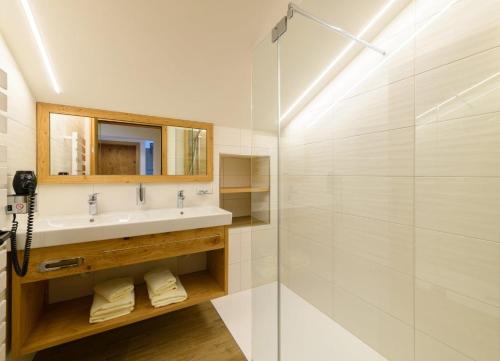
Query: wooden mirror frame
{"type": "Point", "coordinates": [43, 111]}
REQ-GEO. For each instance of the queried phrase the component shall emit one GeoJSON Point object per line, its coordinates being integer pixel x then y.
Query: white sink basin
{"type": "Point", "coordinates": [52, 231]}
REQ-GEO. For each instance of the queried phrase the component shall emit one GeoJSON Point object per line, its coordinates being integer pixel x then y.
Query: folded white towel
{"type": "Point", "coordinates": [111, 315]}
{"type": "Point", "coordinates": [168, 297]}
{"type": "Point", "coordinates": [115, 289]}
{"type": "Point", "coordinates": [160, 280]}
{"type": "Point", "coordinates": [102, 307]}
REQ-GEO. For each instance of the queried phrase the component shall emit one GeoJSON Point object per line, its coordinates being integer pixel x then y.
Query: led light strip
{"type": "Point", "coordinates": [391, 54]}
{"type": "Point", "coordinates": [41, 47]}
{"type": "Point", "coordinates": [462, 93]}
{"type": "Point", "coordinates": [335, 61]}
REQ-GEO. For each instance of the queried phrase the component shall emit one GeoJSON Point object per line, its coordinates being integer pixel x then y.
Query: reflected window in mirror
{"type": "Point", "coordinates": [70, 145]}
{"type": "Point", "coordinates": [187, 151]}
{"type": "Point", "coordinates": [128, 149]}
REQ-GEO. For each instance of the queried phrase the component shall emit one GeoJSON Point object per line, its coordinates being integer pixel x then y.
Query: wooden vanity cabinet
{"type": "Point", "coordinates": [37, 325]}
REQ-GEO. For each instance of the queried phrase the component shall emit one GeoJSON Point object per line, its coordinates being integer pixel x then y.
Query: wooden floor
{"type": "Point", "coordinates": [193, 334]}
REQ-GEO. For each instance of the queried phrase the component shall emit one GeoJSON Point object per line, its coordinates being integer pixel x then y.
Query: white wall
{"type": "Point", "coordinates": [17, 137]}
{"type": "Point", "coordinates": [17, 131]}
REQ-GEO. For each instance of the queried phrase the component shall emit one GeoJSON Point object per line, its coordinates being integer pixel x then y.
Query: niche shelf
{"type": "Point", "coordinates": [230, 190]}
{"type": "Point", "coordinates": [245, 188]}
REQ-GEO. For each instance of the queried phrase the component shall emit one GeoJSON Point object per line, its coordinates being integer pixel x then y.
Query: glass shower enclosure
{"type": "Point", "coordinates": [384, 239]}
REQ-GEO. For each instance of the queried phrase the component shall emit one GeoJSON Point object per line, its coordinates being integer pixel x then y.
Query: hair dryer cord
{"type": "Point", "coordinates": [23, 270]}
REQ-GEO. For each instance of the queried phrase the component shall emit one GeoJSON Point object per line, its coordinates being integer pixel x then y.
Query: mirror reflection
{"type": "Point", "coordinates": [85, 146]}
{"type": "Point", "coordinates": [128, 149]}
{"type": "Point", "coordinates": [187, 151]}
{"type": "Point", "coordinates": [70, 145]}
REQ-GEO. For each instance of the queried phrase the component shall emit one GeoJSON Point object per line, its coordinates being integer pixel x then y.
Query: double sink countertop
{"type": "Point", "coordinates": [54, 231]}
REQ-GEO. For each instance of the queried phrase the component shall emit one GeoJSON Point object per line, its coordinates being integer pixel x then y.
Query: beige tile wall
{"type": "Point", "coordinates": [390, 196]}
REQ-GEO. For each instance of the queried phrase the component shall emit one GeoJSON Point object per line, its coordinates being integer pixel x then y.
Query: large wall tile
{"type": "Point", "coordinates": [467, 325]}
{"type": "Point", "coordinates": [463, 88]}
{"type": "Point", "coordinates": [20, 157]}
{"type": "Point", "coordinates": [389, 336]}
{"type": "Point", "coordinates": [304, 255]}
{"type": "Point", "coordinates": [459, 147]}
{"type": "Point", "coordinates": [227, 136]}
{"type": "Point", "coordinates": [3, 79]}
{"type": "Point", "coordinates": [54, 200]}
{"type": "Point", "coordinates": [307, 191]}
{"type": "Point", "coordinates": [385, 108]}
{"type": "Point", "coordinates": [3, 124]}
{"type": "Point", "coordinates": [264, 270]}
{"type": "Point", "coordinates": [384, 198]}
{"type": "Point", "coordinates": [3, 102]}
{"type": "Point", "coordinates": [383, 287]}
{"type": "Point", "coordinates": [466, 28]}
{"type": "Point", "coordinates": [310, 286]}
{"type": "Point", "coordinates": [313, 223]}
{"type": "Point", "coordinates": [468, 266]}
{"type": "Point", "coordinates": [264, 242]}
{"type": "Point", "coordinates": [430, 349]}
{"type": "Point", "coordinates": [389, 244]}
{"type": "Point", "coordinates": [314, 158]}
{"type": "Point", "coordinates": [387, 153]}
{"type": "Point", "coordinates": [460, 205]}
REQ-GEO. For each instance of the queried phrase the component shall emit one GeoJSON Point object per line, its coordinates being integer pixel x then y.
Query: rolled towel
{"type": "Point", "coordinates": [160, 280]}
{"type": "Point", "coordinates": [168, 297]}
{"type": "Point", "coordinates": [102, 308]}
{"type": "Point", "coordinates": [115, 289]}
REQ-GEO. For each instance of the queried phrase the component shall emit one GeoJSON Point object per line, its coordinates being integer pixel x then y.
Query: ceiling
{"type": "Point", "coordinates": [187, 59]}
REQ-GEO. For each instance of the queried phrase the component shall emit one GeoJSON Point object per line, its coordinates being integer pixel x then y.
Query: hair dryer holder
{"type": "Point", "coordinates": [19, 204]}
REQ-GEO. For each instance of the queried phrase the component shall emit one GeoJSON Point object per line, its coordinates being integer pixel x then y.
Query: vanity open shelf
{"type": "Point", "coordinates": [39, 325]}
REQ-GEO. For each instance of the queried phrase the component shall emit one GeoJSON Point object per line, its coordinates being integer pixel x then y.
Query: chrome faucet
{"type": "Point", "coordinates": [180, 199]}
{"type": "Point", "coordinates": [141, 195]}
{"type": "Point", "coordinates": [92, 205]}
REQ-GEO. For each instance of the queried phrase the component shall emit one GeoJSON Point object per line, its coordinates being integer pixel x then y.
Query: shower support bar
{"type": "Point", "coordinates": [292, 8]}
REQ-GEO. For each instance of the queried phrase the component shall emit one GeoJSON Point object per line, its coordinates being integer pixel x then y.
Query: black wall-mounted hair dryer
{"type": "Point", "coordinates": [22, 202]}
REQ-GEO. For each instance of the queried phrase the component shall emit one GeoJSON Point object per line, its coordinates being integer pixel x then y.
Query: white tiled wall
{"type": "Point", "coordinates": [252, 250]}
{"type": "Point", "coordinates": [17, 127]}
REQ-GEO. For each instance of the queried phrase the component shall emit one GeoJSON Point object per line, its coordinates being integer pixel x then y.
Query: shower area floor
{"type": "Point", "coordinates": [306, 333]}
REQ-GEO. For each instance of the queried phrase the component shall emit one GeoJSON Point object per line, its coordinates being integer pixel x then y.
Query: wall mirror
{"type": "Point", "coordinates": [79, 145]}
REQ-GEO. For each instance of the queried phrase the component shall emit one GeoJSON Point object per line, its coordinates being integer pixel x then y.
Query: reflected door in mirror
{"type": "Point", "coordinates": [125, 149]}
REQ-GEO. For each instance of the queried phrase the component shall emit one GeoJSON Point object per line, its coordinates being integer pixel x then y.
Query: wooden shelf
{"type": "Point", "coordinates": [229, 190]}
{"type": "Point", "coordinates": [246, 221]}
{"type": "Point", "coordinates": [69, 320]}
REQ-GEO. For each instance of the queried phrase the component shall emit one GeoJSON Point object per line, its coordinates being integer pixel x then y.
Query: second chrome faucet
{"type": "Point", "coordinates": [180, 199]}
{"type": "Point", "coordinates": [92, 206]}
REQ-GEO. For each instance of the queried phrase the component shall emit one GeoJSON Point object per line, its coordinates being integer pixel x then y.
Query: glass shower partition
{"type": "Point", "coordinates": [384, 241]}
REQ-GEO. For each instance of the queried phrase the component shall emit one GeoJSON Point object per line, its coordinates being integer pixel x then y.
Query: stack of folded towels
{"type": "Point", "coordinates": [112, 298]}
{"type": "Point", "coordinates": [164, 288]}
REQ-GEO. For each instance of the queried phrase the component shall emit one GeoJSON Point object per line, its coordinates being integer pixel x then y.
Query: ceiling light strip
{"type": "Point", "coordinates": [40, 45]}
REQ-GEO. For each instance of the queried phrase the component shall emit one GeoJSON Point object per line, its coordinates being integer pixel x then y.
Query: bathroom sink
{"type": "Point", "coordinates": [52, 231]}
